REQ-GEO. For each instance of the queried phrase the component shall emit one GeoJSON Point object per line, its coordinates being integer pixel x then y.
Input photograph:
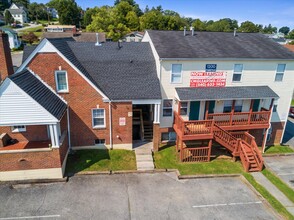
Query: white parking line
{"type": "Point", "coordinates": [31, 217]}
{"type": "Point", "coordinates": [226, 204]}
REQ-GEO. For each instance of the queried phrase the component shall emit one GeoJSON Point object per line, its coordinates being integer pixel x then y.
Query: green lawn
{"type": "Point", "coordinates": [34, 29]}
{"type": "Point", "coordinates": [166, 159]}
{"type": "Point", "coordinates": [278, 149]}
{"type": "Point", "coordinates": [292, 103]}
{"type": "Point", "coordinates": [283, 187]}
{"type": "Point", "coordinates": [272, 200]}
{"type": "Point", "coordinates": [101, 160]}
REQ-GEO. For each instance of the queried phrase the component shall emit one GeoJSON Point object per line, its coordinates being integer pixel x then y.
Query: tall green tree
{"type": "Point", "coordinates": [285, 30]}
{"type": "Point", "coordinates": [8, 17]}
{"type": "Point", "coordinates": [248, 26]}
{"type": "Point", "coordinates": [136, 7]}
{"type": "Point", "coordinates": [199, 25]}
{"type": "Point", "coordinates": [68, 11]}
{"type": "Point", "coordinates": [269, 29]}
{"type": "Point", "coordinates": [88, 16]}
{"type": "Point", "coordinates": [4, 5]}
{"type": "Point", "coordinates": [38, 12]}
{"type": "Point", "coordinates": [23, 2]}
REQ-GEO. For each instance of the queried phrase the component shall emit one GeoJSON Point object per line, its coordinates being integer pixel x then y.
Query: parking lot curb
{"type": "Point", "coordinates": [278, 155]}
{"type": "Point", "coordinates": [208, 176]}
{"type": "Point", "coordinates": [35, 181]}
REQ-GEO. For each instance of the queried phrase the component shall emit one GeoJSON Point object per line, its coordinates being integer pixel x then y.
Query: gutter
{"type": "Point", "coordinates": [110, 125]}
{"type": "Point", "coordinates": [68, 128]}
{"type": "Point", "coordinates": [225, 59]}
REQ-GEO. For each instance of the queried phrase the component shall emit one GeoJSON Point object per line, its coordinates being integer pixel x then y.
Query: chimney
{"type": "Point", "coordinates": [6, 67]}
{"type": "Point", "coordinates": [192, 31]}
{"type": "Point", "coordinates": [235, 31]}
{"type": "Point", "coordinates": [185, 29]}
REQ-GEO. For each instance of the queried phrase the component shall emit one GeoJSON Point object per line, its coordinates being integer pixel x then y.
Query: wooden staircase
{"type": "Point", "coordinates": [148, 131]}
{"type": "Point", "coordinates": [240, 144]}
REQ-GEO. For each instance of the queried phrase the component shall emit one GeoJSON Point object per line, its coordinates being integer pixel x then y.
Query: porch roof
{"type": "Point", "coordinates": [225, 93]}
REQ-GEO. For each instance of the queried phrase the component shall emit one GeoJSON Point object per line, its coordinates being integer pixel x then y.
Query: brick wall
{"type": "Point", "coordinates": [82, 98]}
{"type": "Point", "coordinates": [32, 133]}
{"type": "Point", "coordinates": [30, 160]}
{"type": "Point", "coordinates": [6, 67]}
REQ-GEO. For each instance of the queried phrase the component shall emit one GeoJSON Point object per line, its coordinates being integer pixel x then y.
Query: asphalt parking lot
{"type": "Point", "coordinates": [283, 166]}
{"type": "Point", "coordinates": [134, 196]}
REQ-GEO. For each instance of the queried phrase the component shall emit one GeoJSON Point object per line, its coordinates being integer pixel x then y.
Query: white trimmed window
{"type": "Point", "coordinates": [98, 118]}
{"type": "Point", "coordinates": [237, 75]}
{"type": "Point", "coordinates": [167, 107]}
{"type": "Point", "coordinates": [18, 128]}
{"type": "Point", "coordinates": [176, 74]}
{"type": "Point", "coordinates": [184, 108]}
{"type": "Point", "coordinates": [228, 106]}
{"type": "Point", "coordinates": [238, 105]}
{"type": "Point", "coordinates": [280, 72]}
{"type": "Point", "coordinates": [61, 81]}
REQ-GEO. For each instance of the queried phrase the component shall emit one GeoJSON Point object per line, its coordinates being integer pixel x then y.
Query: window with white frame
{"type": "Point", "coordinates": [167, 107]}
{"type": "Point", "coordinates": [18, 128]}
{"type": "Point", "coordinates": [176, 75]}
{"type": "Point", "coordinates": [238, 105]}
{"type": "Point", "coordinates": [98, 118]}
{"type": "Point", "coordinates": [228, 106]}
{"type": "Point", "coordinates": [280, 72]}
{"type": "Point", "coordinates": [61, 81]}
{"type": "Point", "coordinates": [184, 108]}
{"type": "Point", "coordinates": [238, 69]}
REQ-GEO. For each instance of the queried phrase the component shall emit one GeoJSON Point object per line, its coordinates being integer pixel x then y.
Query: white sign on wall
{"type": "Point", "coordinates": [122, 121]}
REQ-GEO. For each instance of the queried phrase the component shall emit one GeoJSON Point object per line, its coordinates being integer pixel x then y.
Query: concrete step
{"type": "Point", "coordinates": [142, 158]}
{"type": "Point", "coordinates": [143, 151]}
{"type": "Point", "coordinates": [145, 165]}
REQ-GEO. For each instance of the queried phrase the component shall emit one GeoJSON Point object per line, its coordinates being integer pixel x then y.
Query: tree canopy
{"type": "Point", "coordinates": [23, 2]}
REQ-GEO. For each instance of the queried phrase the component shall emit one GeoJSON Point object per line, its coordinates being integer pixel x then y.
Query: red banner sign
{"type": "Point", "coordinates": [208, 79]}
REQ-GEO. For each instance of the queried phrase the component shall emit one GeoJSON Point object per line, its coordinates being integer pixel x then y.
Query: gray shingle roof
{"type": "Point", "coordinates": [122, 74]}
{"type": "Point", "coordinates": [40, 93]}
{"type": "Point", "coordinates": [225, 93]}
{"type": "Point", "coordinates": [27, 52]}
{"type": "Point", "coordinates": [16, 11]}
{"type": "Point", "coordinates": [216, 45]}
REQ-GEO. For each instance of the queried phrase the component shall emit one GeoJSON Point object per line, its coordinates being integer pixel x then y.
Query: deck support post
{"type": "Point", "coordinates": [264, 140]}
{"type": "Point", "coordinates": [232, 112]}
{"type": "Point", "coordinates": [209, 150]}
{"type": "Point", "coordinates": [206, 110]}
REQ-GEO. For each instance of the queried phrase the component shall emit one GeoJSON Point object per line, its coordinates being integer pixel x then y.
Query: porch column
{"type": "Point", "coordinates": [56, 136]}
{"type": "Point", "coordinates": [156, 128]}
{"type": "Point", "coordinates": [52, 136]}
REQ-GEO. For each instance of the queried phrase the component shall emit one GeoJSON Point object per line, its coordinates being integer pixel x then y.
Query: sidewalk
{"type": "Point", "coordinates": [144, 159]}
{"type": "Point", "coordinates": [262, 180]}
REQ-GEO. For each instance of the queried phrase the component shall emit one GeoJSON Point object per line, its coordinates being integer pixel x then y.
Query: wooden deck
{"type": "Point", "coordinates": [27, 145]}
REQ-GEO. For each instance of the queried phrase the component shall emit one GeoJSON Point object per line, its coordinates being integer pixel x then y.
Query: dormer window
{"type": "Point", "coordinates": [61, 81]}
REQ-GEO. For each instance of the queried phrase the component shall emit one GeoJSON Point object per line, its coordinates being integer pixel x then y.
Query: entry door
{"type": "Point", "coordinates": [194, 110]}
{"type": "Point", "coordinates": [256, 105]}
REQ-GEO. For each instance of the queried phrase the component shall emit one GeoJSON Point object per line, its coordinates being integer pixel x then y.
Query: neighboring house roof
{"type": "Point", "coordinates": [60, 26]}
{"type": "Point", "coordinates": [137, 33]}
{"type": "Point", "coordinates": [225, 93]}
{"type": "Point", "coordinates": [290, 47]}
{"type": "Point", "coordinates": [16, 11]}
{"type": "Point", "coordinates": [36, 89]}
{"type": "Point", "coordinates": [90, 37]}
{"type": "Point", "coordinates": [81, 36]}
{"type": "Point", "coordinates": [216, 45]}
{"type": "Point", "coordinates": [27, 51]}
{"type": "Point", "coordinates": [127, 73]}
{"type": "Point", "coordinates": [11, 31]}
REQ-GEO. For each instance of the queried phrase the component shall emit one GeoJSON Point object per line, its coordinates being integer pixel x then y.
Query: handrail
{"type": "Point", "coordinates": [244, 156]}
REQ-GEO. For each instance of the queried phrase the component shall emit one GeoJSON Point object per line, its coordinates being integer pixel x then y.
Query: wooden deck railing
{"type": "Point", "coordinates": [199, 154]}
{"type": "Point", "coordinates": [228, 139]}
{"type": "Point", "coordinates": [193, 127]}
{"type": "Point", "coordinates": [240, 118]}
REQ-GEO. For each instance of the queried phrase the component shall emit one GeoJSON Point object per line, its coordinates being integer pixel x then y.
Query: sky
{"type": "Point", "coordinates": [276, 12]}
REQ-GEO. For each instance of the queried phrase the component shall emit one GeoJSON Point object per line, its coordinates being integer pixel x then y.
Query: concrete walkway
{"type": "Point", "coordinates": [262, 180]}
{"type": "Point", "coordinates": [144, 159]}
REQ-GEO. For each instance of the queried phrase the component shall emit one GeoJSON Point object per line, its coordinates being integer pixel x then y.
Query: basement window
{"type": "Point", "coordinates": [61, 81]}
{"type": "Point", "coordinates": [18, 128]}
{"type": "Point", "coordinates": [99, 141]}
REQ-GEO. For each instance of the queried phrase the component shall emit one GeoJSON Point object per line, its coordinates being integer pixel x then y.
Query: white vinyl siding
{"type": "Point", "coordinates": [98, 118]}
{"type": "Point", "coordinates": [237, 75]}
{"type": "Point", "coordinates": [61, 81]}
{"type": "Point", "coordinates": [176, 74]}
{"type": "Point", "coordinates": [280, 72]}
{"type": "Point", "coordinates": [18, 108]}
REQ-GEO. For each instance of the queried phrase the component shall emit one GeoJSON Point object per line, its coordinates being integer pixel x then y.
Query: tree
{"type": "Point", "coordinates": [88, 16]}
{"type": "Point", "coordinates": [4, 5]}
{"type": "Point", "coordinates": [199, 25]}
{"type": "Point", "coordinates": [269, 29]}
{"type": "Point", "coordinates": [23, 2]}
{"type": "Point", "coordinates": [133, 22]}
{"type": "Point", "coordinates": [8, 17]}
{"type": "Point", "coordinates": [68, 11]}
{"type": "Point", "coordinates": [291, 34]}
{"type": "Point", "coordinates": [285, 30]}
{"type": "Point", "coordinates": [153, 20]}
{"type": "Point", "coordinates": [29, 37]}
{"type": "Point", "coordinates": [37, 12]}
{"type": "Point", "coordinates": [248, 26]}
{"type": "Point", "coordinates": [136, 7]}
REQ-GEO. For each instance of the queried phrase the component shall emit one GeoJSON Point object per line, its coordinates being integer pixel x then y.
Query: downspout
{"type": "Point", "coordinates": [110, 126]}
{"type": "Point", "coordinates": [68, 128]}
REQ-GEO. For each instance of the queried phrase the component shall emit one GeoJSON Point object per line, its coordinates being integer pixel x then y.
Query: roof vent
{"type": "Point", "coordinates": [118, 44]}
{"type": "Point", "coordinates": [97, 42]}
{"type": "Point", "coordinates": [185, 29]}
{"type": "Point", "coordinates": [192, 31]}
{"type": "Point", "coordinates": [235, 31]}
